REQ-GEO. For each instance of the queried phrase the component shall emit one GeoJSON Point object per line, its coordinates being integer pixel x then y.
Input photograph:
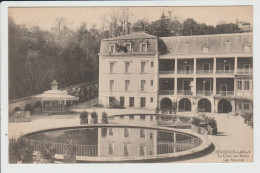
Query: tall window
{"type": "Point", "coordinates": [110, 131]}
{"type": "Point", "coordinates": [246, 106]}
{"type": "Point", "coordinates": [127, 65]}
{"type": "Point", "coordinates": [143, 47]}
{"type": "Point", "coordinates": [112, 83]}
{"type": "Point", "coordinates": [128, 47]}
{"type": "Point", "coordinates": [112, 67]}
{"type": "Point", "coordinates": [127, 83]}
{"type": "Point", "coordinates": [142, 104]}
{"type": "Point", "coordinates": [151, 82]}
{"type": "Point", "coordinates": [239, 85]}
{"type": "Point", "coordinates": [142, 133]}
{"type": "Point", "coordinates": [143, 67]}
{"type": "Point", "coordinates": [131, 101]}
{"type": "Point", "coordinates": [110, 149]}
{"type": "Point", "coordinates": [141, 150]}
{"type": "Point", "coordinates": [112, 48]}
{"type": "Point", "coordinates": [247, 85]}
{"type": "Point", "coordinates": [152, 64]}
{"type": "Point", "coordinates": [143, 82]}
{"type": "Point", "coordinates": [125, 150]}
{"type": "Point", "coordinates": [126, 132]}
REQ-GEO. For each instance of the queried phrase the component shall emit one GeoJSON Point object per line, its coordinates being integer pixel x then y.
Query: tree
{"type": "Point", "coordinates": [188, 27]}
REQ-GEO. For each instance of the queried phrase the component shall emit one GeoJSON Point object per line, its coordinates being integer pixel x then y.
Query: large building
{"type": "Point", "coordinates": [205, 73]}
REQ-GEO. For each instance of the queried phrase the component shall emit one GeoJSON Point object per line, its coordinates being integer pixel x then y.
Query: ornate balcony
{"type": "Point", "coordinates": [185, 71]}
{"type": "Point", "coordinates": [167, 72]}
{"type": "Point", "coordinates": [204, 71]}
{"type": "Point", "coordinates": [225, 71]}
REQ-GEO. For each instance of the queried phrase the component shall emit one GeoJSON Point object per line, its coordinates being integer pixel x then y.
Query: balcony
{"type": "Point", "coordinates": [204, 92]}
{"type": "Point", "coordinates": [244, 94]}
{"type": "Point", "coordinates": [184, 92]}
{"type": "Point", "coordinates": [166, 72]}
{"type": "Point", "coordinates": [225, 71]}
{"type": "Point", "coordinates": [185, 71]}
{"type": "Point", "coordinates": [166, 92]}
{"type": "Point", "coordinates": [244, 71]}
{"type": "Point", "coordinates": [204, 71]}
{"type": "Point", "coordinates": [225, 93]}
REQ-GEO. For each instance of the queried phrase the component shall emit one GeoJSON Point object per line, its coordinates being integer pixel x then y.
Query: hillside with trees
{"type": "Point", "coordinates": [36, 57]}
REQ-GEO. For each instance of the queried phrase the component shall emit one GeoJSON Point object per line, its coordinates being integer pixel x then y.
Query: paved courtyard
{"type": "Point", "coordinates": [233, 133]}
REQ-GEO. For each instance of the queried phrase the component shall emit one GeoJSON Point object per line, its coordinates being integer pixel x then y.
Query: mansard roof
{"type": "Point", "coordinates": [219, 43]}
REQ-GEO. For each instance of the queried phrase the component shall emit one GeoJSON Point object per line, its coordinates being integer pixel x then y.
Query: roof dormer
{"type": "Point", "coordinates": [205, 48]}
{"type": "Point", "coordinates": [247, 47]}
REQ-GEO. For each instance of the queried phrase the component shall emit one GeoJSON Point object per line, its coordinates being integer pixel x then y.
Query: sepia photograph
{"type": "Point", "coordinates": [130, 84]}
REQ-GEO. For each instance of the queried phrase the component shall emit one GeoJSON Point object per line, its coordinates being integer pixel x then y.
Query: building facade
{"type": "Point", "coordinates": [206, 73]}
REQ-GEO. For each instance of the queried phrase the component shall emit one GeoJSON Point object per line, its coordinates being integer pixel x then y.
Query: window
{"type": "Point", "coordinates": [142, 117]}
{"type": "Point", "coordinates": [151, 136]}
{"type": "Point", "coordinates": [151, 99]}
{"type": "Point", "coordinates": [151, 118]}
{"type": "Point", "coordinates": [239, 85]}
{"type": "Point", "coordinates": [143, 67]}
{"type": "Point", "coordinates": [126, 132]}
{"type": "Point", "coordinates": [127, 65]}
{"type": "Point", "coordinates": [128, 47]}
{"type": "Point", "coordinates": [131, 117]}
{"type": "Point", "coordinates": [125, 150]}
{"type": "Point", "coordinates": [122, 101]}
{"type": "Point", "coordinates": [246, 106]}
{"type": "Point", "coordinates": [239, 106]}
{"type": "Point", "coordinates": [110, 131]}
{"type": "Point", "coordinates": [112, 48]}
{"type": "Point", "coordinates": [206, 67]}
{"type": "Point", "coordinates": [131, 102]}
{"type": "Point", "coordinates": [151, 82]}
{"type": "Point", "coordinates": [152, 64]}
{"type": "Point", "coordinates": [143, 82]}
{"type": "Point", "coordinates": [110, 149]}
{"type": "Point", "coordinates": [142, 102]}
{"type": "Point", "coordinates": [122, 116]}
{"type": "Point", "coordinates": [112, 67]}
{"type": "Point", "coordinates": [246, 85]}
{"type": "Point", "coordinates": [143, 47]}
{"type": "Point", "coordinates": [141, 150]}
{"type": "Point", "coordinates": [247, 68]}
{"type": "Point", "coordinates": [112, 83]}
{"type": "Point", "coordinates": [127, 83]}
{"type": "Point", "coordinates": [142, 133]}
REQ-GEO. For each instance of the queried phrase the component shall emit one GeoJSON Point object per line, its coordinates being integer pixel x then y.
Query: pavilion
{"type": "Point", "coordinates": [54, 100]}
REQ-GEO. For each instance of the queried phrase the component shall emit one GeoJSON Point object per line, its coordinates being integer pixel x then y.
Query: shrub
{"type": "Point", "coordinates": [84, 115]}
{"type": "Point", "coordinates": [46, 150]}
{"type": "Point", "coordinates": [205, 122]}
{"type": "Point", "coordinates": [104, 118]}
{"type": "Point", "coordinates": [21, 150]}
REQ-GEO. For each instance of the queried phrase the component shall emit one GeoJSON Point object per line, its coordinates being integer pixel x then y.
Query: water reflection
{"type": "Point", "coordinates": [119, 141]}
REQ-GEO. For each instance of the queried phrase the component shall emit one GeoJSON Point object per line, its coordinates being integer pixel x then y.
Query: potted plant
{"type": "Point", "coordinates": [94, 117]}
{"type": "Point", "coordinates": [84, 118]}
{"type": "Point", "coordinates": [104, 118]}
{"type": "Point", "coordinates": [21, 151]}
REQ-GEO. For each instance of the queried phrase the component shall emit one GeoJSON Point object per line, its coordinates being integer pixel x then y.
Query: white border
{"type": "Point", "coordinates": [162, 167]}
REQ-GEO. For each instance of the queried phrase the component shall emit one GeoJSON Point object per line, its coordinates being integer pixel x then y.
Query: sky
{"type": "Point", "coordinates": [46, 18]}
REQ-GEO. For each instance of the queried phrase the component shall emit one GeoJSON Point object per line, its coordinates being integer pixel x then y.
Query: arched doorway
{"type": "Point", "coordinates": [166, 103]}
{"type": "Point", "coordinates": [17, 109]}
{"type": "Point", "coordinates": [184, 105]}
{"type": "Point", "coordinates": [204, 105]}
{"type": "Point", "coordinates": [28, 107]}
{"type": "Point", "coordinates": [37, 107]}
{"type": "Point", "coordinates": [224, 106]}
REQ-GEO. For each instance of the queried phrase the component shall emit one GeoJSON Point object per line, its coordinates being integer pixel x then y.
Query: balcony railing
{"type": "Point", "coordinates": [167, 72]}
{"type": "Point", "coordinates": [184, 92]}
{"type": "Point", "coordinates": [244, 71]}
{"type": "Point", "coordinates": [185, 71]}
{"type": "Point", "coordinates": [225, 71]}
{"type": "Point", "coordinates": [204, 92]}
{"type": "Point", "coordinates": [244, 93]}
{"type": "Point", "coordinates": [225, 93]}
{"type": "Point", "coordinates": [166, 92]}
{"type": "Point", "coordinates": [204, 71]}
